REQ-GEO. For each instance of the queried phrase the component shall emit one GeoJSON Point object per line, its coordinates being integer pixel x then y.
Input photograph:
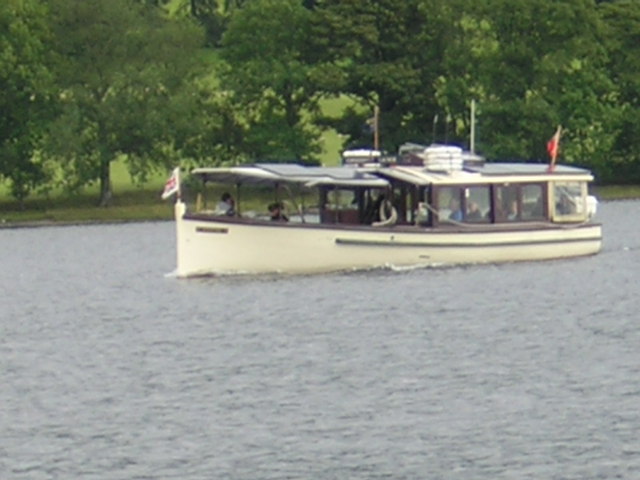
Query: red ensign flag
{"type": "Point", "coordinates": [553, 145]}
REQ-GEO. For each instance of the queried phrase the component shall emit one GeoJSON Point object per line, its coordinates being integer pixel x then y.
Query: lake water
{"type": "Point", "coordinates": [112, 369]}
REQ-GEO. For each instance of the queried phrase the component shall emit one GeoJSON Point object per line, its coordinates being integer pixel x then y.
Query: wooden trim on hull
{"type": "Point", "coordinates": [392, 243]}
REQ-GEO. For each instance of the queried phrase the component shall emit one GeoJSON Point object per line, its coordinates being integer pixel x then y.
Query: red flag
{"type": "Point", "coordinates": [553, 145]}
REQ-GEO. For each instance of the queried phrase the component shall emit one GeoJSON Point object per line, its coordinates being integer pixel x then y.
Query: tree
{"type": "Point", "coordinates": [530, 64]}
{"type": "Point", "coordinates": [25, 92]}
{"type": "Point", "coordinates": [213, 15]}
{"type": "Point", "coordinates": [533, 65]}
{"type": "Point", "coordinates": [622, 20]}
{"type": "Point", "coordinates": [388, 54]}
{"type": "Point", "coordinates": [266, 48]}
{"type": "Point", "coordinates": [120, 65]}
{"type": "Point", "coordinates": [206, 127]}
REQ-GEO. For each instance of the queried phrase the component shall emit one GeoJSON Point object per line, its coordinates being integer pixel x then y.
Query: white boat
{"type": "Point", "coordinates": [427, 206]}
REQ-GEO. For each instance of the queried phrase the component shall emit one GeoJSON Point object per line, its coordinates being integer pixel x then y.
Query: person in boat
{"type": "Point", "coordinates": [565, 206]}
{"type": "Point", "coordinates": [276, 212]}
{"type": "Point", "coordinates": [226, 205]}
{"type": "Point", "coordinates": [473, 212]}
{"type": "Point", "coordinates": [513, 210]}
{"type": "Point", "coordinates": [372, 210]}
{"type": "Point", "coordinates": [454, 207]}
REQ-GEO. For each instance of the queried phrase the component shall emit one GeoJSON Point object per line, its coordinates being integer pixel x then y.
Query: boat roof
{"type": "Point", "coordinates": [269, 173]}
{"type": "Point", "coordinates": [379, 175]}
{"type": "Point", "coordinates": [495, 168]}
{"type": "Point", "coordinates": [486, 173]}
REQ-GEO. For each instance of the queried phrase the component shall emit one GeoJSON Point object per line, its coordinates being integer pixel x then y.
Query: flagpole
{"type": "Point", "coordinates": [178, 197]}
{"type": "Point", "coordinates": [472, 146]}
{"type": "Point", "coordinates": [434, 128]}
{"type": "Point", "coordinates": [376, 137]}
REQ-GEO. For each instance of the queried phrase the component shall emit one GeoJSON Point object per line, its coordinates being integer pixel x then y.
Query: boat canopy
{"type": "Point", "coordinates": [271, 173]}
{"type": "Point", "coordinates": [511, 169]}
{"type": "Point", "coordinates": [380, 176]}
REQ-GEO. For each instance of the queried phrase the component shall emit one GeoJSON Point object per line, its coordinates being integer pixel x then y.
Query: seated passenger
{"type": "Point", "coordinates": [422, 214]}
{"type": "Point", "coordinates": [456, 213]}
{"type": "Point", "coordinates": [276, 213]}
{"type": "Point", "coordinates": [372, 210]}
{"type": "Point", "coordinates": [565, 206]}
{"type": "Point", "coordinates": [473, 212]}
{"type": "Point", "coordinates": [226, 205]}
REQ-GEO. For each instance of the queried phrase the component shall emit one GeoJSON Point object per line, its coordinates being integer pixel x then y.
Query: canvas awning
{"type": "Point", "coordinates": [291, 173]}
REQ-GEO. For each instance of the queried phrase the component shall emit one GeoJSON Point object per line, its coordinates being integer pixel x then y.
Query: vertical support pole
{"type": "Point", "coordinates": [472, 145]}
{"type": "Point", "coordinates": [376, 135]}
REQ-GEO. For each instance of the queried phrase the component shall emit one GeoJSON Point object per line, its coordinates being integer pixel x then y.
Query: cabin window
{"type": "Point", "coordinates": [569, 201]}
{"type": "Point", "coordinates": [507, 205]}
{"type": "Point", "coordinates": [464, 204]}
{"type": "Point", "coordinates": [450, 204]}
{"type": "Point", "coordinates": [509, 202]}
{"type": "Point", "coordinates": [533, 202]}
{"type": "Point", "coordinates": [351, 205]}
{"type": "Point", "coordinates": [477, 204]}
{"type": "Point", "coordinates": [519, 202]}
{"type": "Point", "coordinates": [340, 206]}
{"type": "Point", "coordinates": [340, 198]}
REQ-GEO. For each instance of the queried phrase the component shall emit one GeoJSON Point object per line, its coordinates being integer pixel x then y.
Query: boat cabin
{"type": "Point", "coordinates": [422, 187]}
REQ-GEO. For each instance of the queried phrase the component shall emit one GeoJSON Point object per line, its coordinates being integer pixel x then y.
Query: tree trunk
{"type": "Point", "coordinates": [105, 183]}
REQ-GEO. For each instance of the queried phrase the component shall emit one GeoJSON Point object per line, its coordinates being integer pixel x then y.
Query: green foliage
{"type": "Point", "coordinates": [25, 92]}
{"type": "Point", "coordinates": [84, 83]}
{"type": "Point", "coordinates": [622, 41]}
{"type": "Point", "coordinates": [269, 75]}
{"type": "Point", "coordinates": [529, 64]}
{"type": "Point", "coordinates": [205, 127]}
{"type": "Point", "coordinates": [120, 64]}
{"type": "Point", "coordinates": [383, 49]}
{"type": "Point", "coordinates": [548, 68]}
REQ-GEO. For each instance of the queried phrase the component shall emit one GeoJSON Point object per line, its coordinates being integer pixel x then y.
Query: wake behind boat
{"type": "Point", "coordinates": [425, 206]}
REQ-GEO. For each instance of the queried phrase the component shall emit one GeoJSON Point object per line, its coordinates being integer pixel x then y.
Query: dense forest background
{"type": "Point", "coordinates": [155, 83]}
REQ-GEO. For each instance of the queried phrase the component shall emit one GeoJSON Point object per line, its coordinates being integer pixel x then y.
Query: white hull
{"type": "Point", "coordinates": [223, 246]}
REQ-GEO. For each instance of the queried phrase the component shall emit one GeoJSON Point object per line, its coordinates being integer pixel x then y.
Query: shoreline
{"type": "Point", "coordinates": [20, 224]}
{"type": "Point", "coordinates": [14, 225]}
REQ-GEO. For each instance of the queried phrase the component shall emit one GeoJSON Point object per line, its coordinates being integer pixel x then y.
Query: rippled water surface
{"type": "Point", "coordinates": [110, 369]}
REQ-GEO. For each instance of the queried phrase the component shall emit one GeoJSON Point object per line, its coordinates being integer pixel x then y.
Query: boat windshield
{"type": "Point", "coordinates": [569, 200]}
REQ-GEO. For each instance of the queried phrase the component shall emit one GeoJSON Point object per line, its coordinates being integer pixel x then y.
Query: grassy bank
{"type": "Point", "coordinates": [617, 192]}
{"type": "Point", "coordinates": [130, 203]}
{"type": "Point", "coordinates": [130, 206]}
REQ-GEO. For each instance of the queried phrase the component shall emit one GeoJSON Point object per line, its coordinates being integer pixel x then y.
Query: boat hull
{"type": "Point", "coordinates": [207, 246]}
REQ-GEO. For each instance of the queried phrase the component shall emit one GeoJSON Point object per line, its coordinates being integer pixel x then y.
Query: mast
{"type": "Point", "coordinates": [376, 135]}
{"type": "Point", "coordinates": [472, 143]}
